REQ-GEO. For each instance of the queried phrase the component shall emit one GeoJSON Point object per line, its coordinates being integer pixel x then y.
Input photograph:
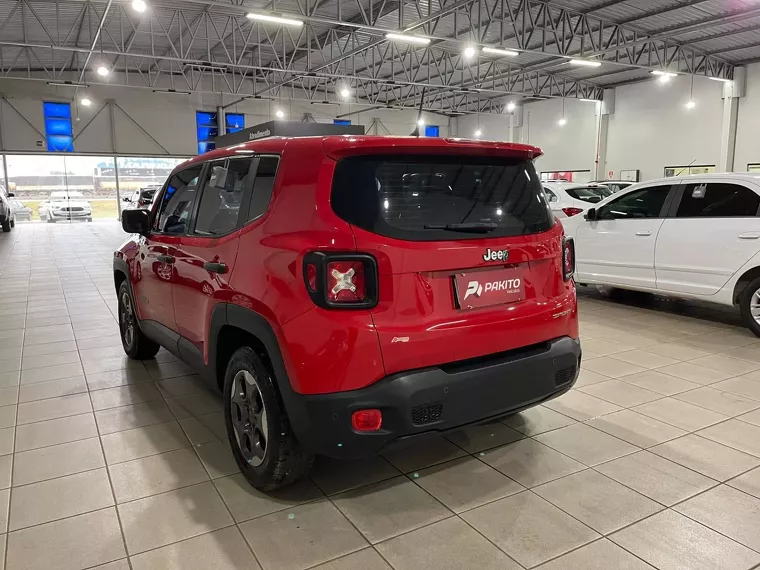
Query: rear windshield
{"type": "Point", "coordinates": [592, 194]}
{"type": "Point", "coordinates": [424, 198]}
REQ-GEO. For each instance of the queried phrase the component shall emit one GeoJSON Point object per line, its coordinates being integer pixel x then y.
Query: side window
{"type": "Point", "coordinates": [222, 194]}
{"type": "Point", "coordinates": [718, 200]}
{"type": "Point", "coordinates": [644, 203]}
{"type": "Point", "coordinates": [263, 186]}
{"type": "Point", "coordinates": [550, 196]}
{"type": "Point", "coordinates": [177, 201]}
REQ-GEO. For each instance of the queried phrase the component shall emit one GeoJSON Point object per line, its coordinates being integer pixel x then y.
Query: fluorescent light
{"type": "Point", "coordinates": [280, 113]}
{"type": "Point", "coordinates": [66, 84]}
{"type": "Point", "coordinates": [562, 122]}
{"type": "Point", "coordinates": [497, 51]}
{"type": "Point", "coordinates": [664, 78]}
{"type": "Point", "coordinates": [663, 73]}
{"type": "Point", "coordinates": [585, 62]}
{"type": "Point", "coordinates": [273, 19]}
{"type": "Point", "coordinates": [470, 52]}
{"type": "Point", "coordinates": [345, 93]}
{"type": "Point", "coordinates": [511, 106]}
{"type": "Point", "coordinates": [85, 101]}
{"type": "Point", "coordinates": [138, 5]}
{"type": "Point", "coordinates": [421, 122]}
{"type": "Point", "coordinates": [174, 91]}
{"type": "Point", "coordinates": [404, 38]}
{"type": "Point", "coordinates": [590, 100]}
{"type": "Point", "coordinates": [720, 79]}
{"type": "Point", "coordinates": [478, 133]}
{"type": "Point", "coordinates": [103, 71]}
{"type": "Point", "coordinates": [691, 104]}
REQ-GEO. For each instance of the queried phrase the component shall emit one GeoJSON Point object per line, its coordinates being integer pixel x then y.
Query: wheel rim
{"type": "Point", "coordinates": [754, 306]}
{"type": "Point", "coordinates": [249, 417]}
{"type": "Point", "coordinates": [127, 321]}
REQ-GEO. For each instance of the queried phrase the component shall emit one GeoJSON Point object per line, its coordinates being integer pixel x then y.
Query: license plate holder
{"type": "Point", "coordinates": [476, 289]}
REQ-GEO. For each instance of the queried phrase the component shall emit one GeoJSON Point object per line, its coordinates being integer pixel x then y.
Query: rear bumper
{"type": "Point", "coordinates": [438, 399]}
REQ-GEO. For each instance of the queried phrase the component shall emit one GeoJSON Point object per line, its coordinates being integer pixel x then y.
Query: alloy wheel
{"type": "Point", "coordinates": [249, 417]}
{"type": "Point", "coordinates": [127, 321]}
{"type": "Point", "coordinates": [754, 306]}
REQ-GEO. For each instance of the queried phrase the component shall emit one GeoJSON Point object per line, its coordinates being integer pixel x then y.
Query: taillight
{"type": "Point", "coordinates": [341, 280]}
{"type": "Point", "coordinates": [568, 258]}
{"type": "Point", "coordinates": [367, 420]}
{"type": "Point", "coordinates": [570, 212]}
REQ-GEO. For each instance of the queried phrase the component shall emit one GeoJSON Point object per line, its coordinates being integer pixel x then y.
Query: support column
{"type": "Point", "coordinates": [604, 109]}
{"type": "Point", "coordinates": [731, 93]}
{"type": "Point", "coordinates": [112, 114]}
{"type": "Point", "coordinates": [221, 121]}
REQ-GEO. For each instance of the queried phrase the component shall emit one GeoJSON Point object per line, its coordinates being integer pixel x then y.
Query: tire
{"type": "Point", "coordinates": [6, 225]}
{"type": "Point", "coordinates": [13, 222]}
{"type": "Point", "coordinates": [50, 221]}
{"type": "Point", "coordinates": [270, 460]}
{"type": "Point", "coordinates": [89, 219]}
{"type": "Point", "coordinates": [746, 305]}
{"type": "Point", "coordinates": [136, 345]}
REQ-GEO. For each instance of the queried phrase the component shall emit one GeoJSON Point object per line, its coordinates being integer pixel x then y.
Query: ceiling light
{"type": "Point", "coordinates": [478, 133]}
{"type": "Point", "coordinates": [273, 19]}
{"type": "Point", "coordinates": [103, 71]}
{"type": "Point", "coordinates": [585, 62]}
{"type": "Point", "coordinates": [720, 79]}
{"type": "Point", "coordinates": [85, 101]}
{"type": "Point", "coordinates": [138, 5]}
{"type": "Point", "coordinates": [663, 73]}
{"type": "Point", "coordinates": [691, 104]}
{"type": "Point", "coordinates": [404, 38]}
{"type": "Point", "coordinates": [590, 100]}
{"type": "Point", "coordinates": [280, 113]}
{"type": "Point", "coordinates": [664, 78]}
{"type": "Point", "coordinates": [511, 106]}
{"type": "Point", "coordinates": [66, 84]}
{"type": "Point", "coordinates": [469, 52]}
{"type": "Point", "coordinates": [345, 93]}
{"type": "Point", "coordinates": [562, 122]}
{"type": "Point", "coordinates": [497, 51]}
{"type": "Point", "coordinates": [421, 122]}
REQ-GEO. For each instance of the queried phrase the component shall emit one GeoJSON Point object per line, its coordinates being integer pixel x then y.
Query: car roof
{"type": "Point", "coordinates": [336, 146]}
{"type": "Point", "coordinates": [745, 176]}
{"type": "Point", "coordinates": [562, 185]}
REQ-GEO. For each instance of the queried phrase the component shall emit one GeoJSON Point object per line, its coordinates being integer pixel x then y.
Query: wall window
{"type": "Point", "coordinates": [581, 176]}
{"type": "Point", "coordinates": [234, 122]}
{"type": "Point", "coordinates": [208, 129]}
{"type": "Point", "coordinates": [432, 131]}
{"type": "Point", "coordinates": [58, 131]}
{"type": "Point", "coordinates": [753, 168]}
{"type": "Point", "coordinates": [686, 170]}
{"type": "Point", "coordinates": [343, 122]}
{"type": "Point", "coordinates": [718, 200]}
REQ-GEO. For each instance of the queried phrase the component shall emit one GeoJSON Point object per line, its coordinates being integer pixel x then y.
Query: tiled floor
{"type": "Point", "coordinates": [653, 459]}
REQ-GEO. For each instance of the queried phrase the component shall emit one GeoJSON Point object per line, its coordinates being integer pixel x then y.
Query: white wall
{"type": "Point", "coordinates": [748, 123]}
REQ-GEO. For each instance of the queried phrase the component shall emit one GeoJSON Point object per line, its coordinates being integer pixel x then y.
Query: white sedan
{"type": "Point", "coordinates": [695, 237]}
{"type": "Point", "coordinates": [568, 199]}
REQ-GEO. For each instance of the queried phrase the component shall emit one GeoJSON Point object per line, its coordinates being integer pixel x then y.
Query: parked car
{"type": "Point", "coordinates": [695, 237]}
{"type": "Point", "coordinates": [615, 185]}
{"type": "Point", "coordinates": [7, 220]}
{"type": "Point", "coordinates": [65, 206]}
{"type": "Point", "coordinates": [141, 198]}
{"type": "Point", "coordinates": [20, 211]}
{"type": "Point", "coordinates": [568, 199]}
{"type": "Point", "coordinates": [343, 306]}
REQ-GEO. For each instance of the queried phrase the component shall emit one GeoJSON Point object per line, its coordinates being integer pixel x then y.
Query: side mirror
{"type": "Point", "coordinates": [136, 221]}
{"type": "Point", "coordinates": [11, 195]}
{"type": "Point", "coordinates": [590, 214]}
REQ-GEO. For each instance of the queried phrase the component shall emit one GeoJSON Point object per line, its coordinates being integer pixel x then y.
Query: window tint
{"type": "Point", "coordinates": [718, 201]}
{"type": "Point", "coordinates": [644, 203]}
{"type": "Point", "coordinates": [425, 198]}
{"type": "Point", "coordinates": [177, 201]}
{"type": "Point", "coordinates": [222, 193]}
{"type": "Point", "coordinates": [262, 186]}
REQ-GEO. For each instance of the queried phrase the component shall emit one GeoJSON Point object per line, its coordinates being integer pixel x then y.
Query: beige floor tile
{"type": "Point", "coordinates": [7, 436]}
{"type": "Point", "coordinates": [580, 406]}
{"type": "Point", "coordinates": [743, 386]}
{"type": "Point", "coordinates": [671, 541]}
{"type": "Point", "coordinates": [74, 543]}
{"type": "Point", "coordinates": [5, 496]}
{"type": "Point", "coordinates": [389, 508]}
{"type": "Point", "coordinates": [10, 379]}
{"type": "Point", "coordinates": [447, 545]}
{"type": "Point", "coordinates": [694, 373]}
{"type": "Point", "coordinates": [722, 363]}
{"type": "Point", "coordinates": [183, 386]}
{"type": "Point", "coordinates": [635, 428]}
{"type": "Point", "coordinates": [8, 416]}
{"type": "Point", "coordinates": [718, 401]}
{"type": "Point", "coordinates": [609, 366]}
{"type": "Point", "coordinates": [707, 457]}
{"type": "Point", "coordinates": [131, 417]}
{"type": "Point", "coordinates": [57, 461]}
{"type": "Point", "coordinates": [466, 483]}
{"type": "Point", "coordinates": [60, 498]}
{"type": "Point", "coordinates": [587, 378]}
{"type": "Point", "coordinates": [748, 482]}
{"type": "Point", "coordinates": [750, 353]}
{"type": "Point", "coordinates": [54, 432]}
{"type": "Point", "coordinates": [531, 463]}
{"type": "Point", "coordinates": [751, 417]}
{"type": "Point", "coordinates": [217, 458]}
{"type": "Point", "coordinates": [528, 528]}
{"type": "Point", "coordinates": [194, 405]}
{"type": "Point", "coordinates": [47, 360]}
{"type": "Point", "coordinates": [621, 393]}
{"type": "Point", "coordinates": [177, 515]}
{"type": "Point", "coordinates": [115, 378]}
{"type": "Point", "coordinates": [367, 559]}
{"type": "Point", "coordinates": [6, 470]}
{"type": "Point", "coordinates": [484, 436]}
{"type": "Point", "coordinates": [124, 396]}
{"type": "Point", "coordinates": [586, 444]}
{"type": "Point", "coordinates": [223, 549]}
{"type": "Point", "coordinates": [599, 555]}
{"type": "Point", "coordinates": [423, 453]}
{"type": "Point", "coordinates": [604, 347]}
{"type": "Point", "coordinates": [538, 420]}
{"type": "Point", "coordinates": [677, 351]}
{"type": "Point", "coordinates": [660, 383]}
{"type": "Point", "coordinates": [53, 408]}
{"type": "Point", "coordinates": [736, 434]}
{"type": "Point", "coordinates": [54, 389]}
{"type": "Point", "coordinates": [645, 358]}
{"type": "Point", "coordinates": [680, 414]}
{"type": "Point", "coordinates": [156, 474]}
{"type": "Point", "coordinates": [51, 373]}
{"type": "Point", "coordinates": [245, 502]}
{"type": "Point", "coordinates": [335, 476]}
{"type": "Point", "coordinates": [656, 477]}
{"type": "Point", "coordinates": [142, 442]}
{"type": "Point", "coordinates": [9, 396]}
{"type": "Point", "coordinates": [52, 348]}
{"type": "Point", "coordinates": [301, 537]}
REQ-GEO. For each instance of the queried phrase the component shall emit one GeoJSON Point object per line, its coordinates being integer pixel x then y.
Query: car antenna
{"type": "Point", "coordinates": [416, 131]}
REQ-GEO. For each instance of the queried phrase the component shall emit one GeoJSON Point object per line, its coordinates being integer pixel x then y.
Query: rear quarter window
{"type": "Point", "coordinates": [429, 198]}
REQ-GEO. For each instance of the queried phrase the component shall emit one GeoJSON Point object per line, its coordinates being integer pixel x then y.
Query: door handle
{"type": "Point", "coordinates": [215, 267]}
{"type": "Point", "coordinates": [644, 233]}
{"type": "Point", "coordinates": [749, 235]}
{"type": "Point", "coordinates": [166, 258]}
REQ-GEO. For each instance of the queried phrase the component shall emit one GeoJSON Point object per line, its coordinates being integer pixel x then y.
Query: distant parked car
{"type": "Point", "coordinates": [21, 212]}
{"type": "Point", "coordinates": [567, 199]}
{"type": "Point", "coordinates": [65, 206]}
{"type": "Point", "coordinates": [7, 220]}
{"type": "Point", "coordinates": [141, 198]}
{"type": "Point", "coordinates": [615, 185]}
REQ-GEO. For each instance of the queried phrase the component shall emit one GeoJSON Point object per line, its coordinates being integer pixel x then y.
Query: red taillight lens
{"type": "Point", "coordinates": [346, 282]}
{"type": "Point", "coordinates": [311, 277]}
{"type": "Point", "coordinates": [367, 420]}
{"type": "Point", "coordinates": [570, 212]}
{"type": "Point", "coordinates": [568, 258]}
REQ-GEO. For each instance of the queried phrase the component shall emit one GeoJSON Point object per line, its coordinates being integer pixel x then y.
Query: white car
{"type": "Point", "coordinates": [695, 237]}
{"type": "Point", "coordinates": [615, 185]}
{"type": "Point", "coordinates": [568, 199]}
{"type": "Point", "coordinates": [65, 206]}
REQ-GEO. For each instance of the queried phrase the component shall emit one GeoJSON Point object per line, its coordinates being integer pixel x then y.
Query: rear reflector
{"type": "Point", "coordinates": [367, 420]}
{"type": "Point", "coordinates": [570, 212]}
{"type": "Point", "coordinates": [568, 258]}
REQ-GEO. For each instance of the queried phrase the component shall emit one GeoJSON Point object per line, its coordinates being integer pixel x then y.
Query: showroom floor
{"type": "Point", "coordinates": [653, 458]}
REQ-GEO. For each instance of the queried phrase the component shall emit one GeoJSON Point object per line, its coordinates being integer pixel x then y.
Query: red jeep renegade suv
{"type": "Point", "coordinates": [349, 292]}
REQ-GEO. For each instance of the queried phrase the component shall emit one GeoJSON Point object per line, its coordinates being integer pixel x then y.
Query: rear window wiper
{"type": "Point", "coordinates": [465, 227]}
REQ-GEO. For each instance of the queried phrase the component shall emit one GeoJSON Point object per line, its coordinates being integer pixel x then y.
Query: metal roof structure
{"type": "Point", "coordinates": [216, 46]}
